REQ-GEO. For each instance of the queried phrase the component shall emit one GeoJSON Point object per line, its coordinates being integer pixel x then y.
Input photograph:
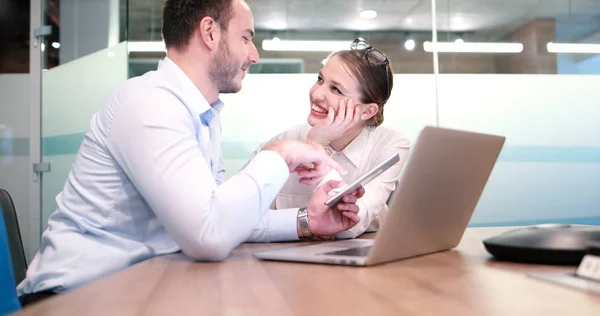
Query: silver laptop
{"type": "Point", "coordinates": [436, 195]}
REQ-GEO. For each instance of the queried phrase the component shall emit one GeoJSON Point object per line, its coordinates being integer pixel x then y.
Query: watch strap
{"type": "Point", "coordinates": [303, 222]}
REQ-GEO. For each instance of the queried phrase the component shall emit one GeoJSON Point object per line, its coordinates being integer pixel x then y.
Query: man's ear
{"type": "Point", "coordinates": [209, 32]}
{"type": "Point", "coordinates": [368, 111]}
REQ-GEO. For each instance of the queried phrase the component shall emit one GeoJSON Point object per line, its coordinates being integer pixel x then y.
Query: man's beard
{"type": "Point", "coordinates": [224, 69]}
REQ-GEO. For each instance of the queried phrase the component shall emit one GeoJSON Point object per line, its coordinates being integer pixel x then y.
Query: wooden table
{"type": "Point", "coordinates": [463, 281]}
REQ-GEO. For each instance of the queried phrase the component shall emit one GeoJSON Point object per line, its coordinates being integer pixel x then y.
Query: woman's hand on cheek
{"type": "Point", "coordinates": [336, 124]}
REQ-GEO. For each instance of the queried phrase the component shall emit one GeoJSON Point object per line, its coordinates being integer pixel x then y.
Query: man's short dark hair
{"type": "Point", "coordinates": [181, 17]}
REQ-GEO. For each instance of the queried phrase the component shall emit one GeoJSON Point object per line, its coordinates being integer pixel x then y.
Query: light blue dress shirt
{"type": "Point", "coordinates": [149, 180]}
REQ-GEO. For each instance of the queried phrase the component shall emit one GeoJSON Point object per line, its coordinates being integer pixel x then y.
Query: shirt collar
{"type": "Point", "coordinates": [187, 91]}
{"type": "Point", "coordinates": [213, 111]}
{"type": "Point", "coordinates": [218, 105]}
{"type": "Point", "coordinates": [357, 145]}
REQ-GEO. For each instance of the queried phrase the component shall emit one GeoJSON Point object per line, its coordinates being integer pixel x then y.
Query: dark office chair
{"type": "Point", "coordinates": [15, 244]}
{"type": "Point", "coordinates": [8, 292]}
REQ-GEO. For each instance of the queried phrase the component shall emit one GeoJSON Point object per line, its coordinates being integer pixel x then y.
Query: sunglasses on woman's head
{"type": "Point", "coordinates": [373, 56]}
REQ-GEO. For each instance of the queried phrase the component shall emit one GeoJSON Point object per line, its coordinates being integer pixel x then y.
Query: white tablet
{"type": "Point", "coordinates": [363, 180]}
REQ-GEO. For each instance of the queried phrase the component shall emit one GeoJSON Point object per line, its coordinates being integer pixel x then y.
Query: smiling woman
{"type": "Point", "coordinates": [345, 114]}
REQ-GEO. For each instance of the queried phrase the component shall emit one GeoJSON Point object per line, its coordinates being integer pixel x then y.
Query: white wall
{"type": "Point", "coordinates": [14, 148]}
{"type": "Point", "coordinates": [550, 166]}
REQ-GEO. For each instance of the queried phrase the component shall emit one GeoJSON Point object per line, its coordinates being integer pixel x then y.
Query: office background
{"type": "Point", "coordinates": [546, 102]}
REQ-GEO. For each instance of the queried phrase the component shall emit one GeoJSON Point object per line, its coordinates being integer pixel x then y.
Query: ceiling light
{"type": "Point", "coordinates": [410, 44]}
{"type": "Point", "coordinates": [305, 46]}
{"type": "Point", "coordinates": [459, 41]}
{"type": "Point", "coordinates": [368, 14]}
{"type": "Point", "coordinates": [457, 19]}
{"type": "Point", "coordinates": [409, 21]}
{"type": "Point", "coordinates": [573, 48]}
{"type": "Point", "coordinates": [451, 47]}
{"type": "Point", "coordinates": [155, 46]}
{"type": "Point", "coordinates": [56, 45]}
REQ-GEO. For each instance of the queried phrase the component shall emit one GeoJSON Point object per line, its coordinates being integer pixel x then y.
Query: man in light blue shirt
{"type": "Point", "coordinates": [148, 178]}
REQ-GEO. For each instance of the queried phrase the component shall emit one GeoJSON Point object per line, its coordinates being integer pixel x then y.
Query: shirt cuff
{"type": "Point", "coordinates": [283, 225]}
{"type": "Point", "coordinates": [270, 172]}
{"type": "Point", "coordinates": [332, 175]}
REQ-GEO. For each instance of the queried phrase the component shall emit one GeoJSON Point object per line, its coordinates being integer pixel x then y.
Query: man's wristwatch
{"type": "Point", "coordinates": [303, 222]}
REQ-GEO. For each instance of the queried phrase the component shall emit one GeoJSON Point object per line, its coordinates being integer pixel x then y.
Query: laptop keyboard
{"type": "Point", "coordinates": [354, 252]}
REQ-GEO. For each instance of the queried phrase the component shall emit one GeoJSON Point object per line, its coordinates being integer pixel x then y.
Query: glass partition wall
{"type": "Point", "coordinates": [84, 56]}
{"type": "Point", "coordinates": [525, 69]}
